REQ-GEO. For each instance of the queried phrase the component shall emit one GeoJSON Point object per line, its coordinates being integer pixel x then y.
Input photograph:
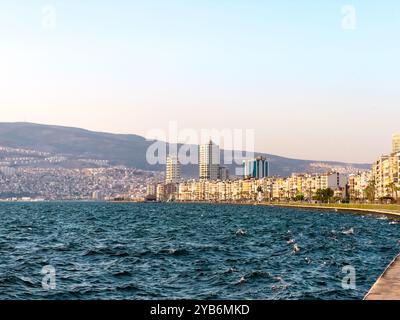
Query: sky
{"type": "Point", "coordinates": [314, 79]}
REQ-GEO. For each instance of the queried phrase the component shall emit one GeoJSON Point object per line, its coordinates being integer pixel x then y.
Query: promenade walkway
{"type": "Point", "coordinates": [387, 287]}
{"type": "Point", "coordinates": [338, 208]}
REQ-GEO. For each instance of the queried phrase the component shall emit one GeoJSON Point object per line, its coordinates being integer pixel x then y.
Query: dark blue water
{"type": "Point", "coordinates": [172, 251]}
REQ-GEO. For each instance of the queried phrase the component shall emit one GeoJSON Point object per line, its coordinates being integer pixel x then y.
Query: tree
{"type": "Point", "coordinates": [397, 193]}
{"type": "Point", "coordinates": [324, 195]}
{"type": "Point", "coordinates": [299, 197]}
{"type": "Point", "coordinates": [318, 195]}
{"type": "Point", "coordinates": [394, 189]}
{"type": "Point", "coordinates": [370, 191]}
{"type": "Point", "coordinates": [328, 194]}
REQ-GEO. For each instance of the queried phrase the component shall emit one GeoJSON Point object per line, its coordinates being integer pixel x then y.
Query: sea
{"type": "Point", "coordinates": [130, 251]}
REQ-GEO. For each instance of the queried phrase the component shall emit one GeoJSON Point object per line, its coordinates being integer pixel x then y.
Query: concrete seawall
{"type": "Point", "coordinates": [349, 209]}
{"type": "Point", "coordinates": [387, 287]}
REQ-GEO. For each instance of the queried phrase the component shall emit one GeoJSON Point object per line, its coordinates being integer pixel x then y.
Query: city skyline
{"type": "Point", "coordinates": [379, 183]}
{"type": "Point", "coordinates": [289, 71]}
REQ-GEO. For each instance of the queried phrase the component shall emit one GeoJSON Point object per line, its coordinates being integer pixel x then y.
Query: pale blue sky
{"type": "Point", "coordinates": [287, 69]}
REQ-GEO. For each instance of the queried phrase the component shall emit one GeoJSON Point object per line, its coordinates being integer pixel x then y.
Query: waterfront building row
{"type": "Point", "coordinates": [382, 181]}
{"type": "Point", "coordinates": [265, 189]}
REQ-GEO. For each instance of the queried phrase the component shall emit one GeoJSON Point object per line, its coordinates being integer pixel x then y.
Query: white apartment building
{"type": "Point", "coordinates": [209, 161]}
{"type": "Point", "coordinates": [173, 170]}
{"type": "Point", "coordinates": [386, 175]}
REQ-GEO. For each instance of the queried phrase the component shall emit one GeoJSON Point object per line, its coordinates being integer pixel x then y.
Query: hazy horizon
{"type": "Point", "coordinates": [310, 87]}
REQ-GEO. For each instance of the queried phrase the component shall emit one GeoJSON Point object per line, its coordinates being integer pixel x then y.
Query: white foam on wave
{"type": "Point", "coordinates": [348, 232]}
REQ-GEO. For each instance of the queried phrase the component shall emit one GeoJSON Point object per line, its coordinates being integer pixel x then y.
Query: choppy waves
{"type": "Point", "coordinates": [171, 251]}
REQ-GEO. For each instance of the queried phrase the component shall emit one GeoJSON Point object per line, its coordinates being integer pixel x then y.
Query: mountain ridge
{"type": "Point", "coordinates": [129, 149]}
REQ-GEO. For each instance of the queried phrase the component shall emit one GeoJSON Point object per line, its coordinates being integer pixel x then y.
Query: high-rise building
{"type": "Point", "coordinates": [209, 160]}
{"type": "Point", "coordinates": [257, 168]}
{"type": "Point", "coordinates": [173, 170]}
{"type": "Point", "coordinates": [396, 143]}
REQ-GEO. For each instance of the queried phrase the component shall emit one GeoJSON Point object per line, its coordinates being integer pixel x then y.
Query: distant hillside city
{"type": "Point", "coordinates": [380, 183]}
{"type": "Point", "coordinates": [42, 162]}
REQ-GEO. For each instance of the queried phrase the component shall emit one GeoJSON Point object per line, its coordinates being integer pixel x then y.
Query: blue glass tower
{"type": "Point", "coordinates": [257, 168]}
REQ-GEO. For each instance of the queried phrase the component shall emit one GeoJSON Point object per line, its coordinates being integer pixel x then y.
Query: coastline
{"type": "Point", "coordinates": [340, 208]}
{"type": "Point", "coordinates": [355, 208]}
